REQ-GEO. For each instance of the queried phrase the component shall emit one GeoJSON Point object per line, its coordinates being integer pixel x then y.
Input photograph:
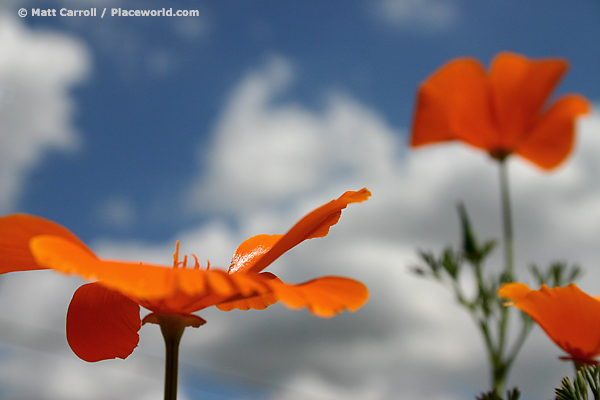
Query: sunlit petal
{"type": "Point", "coordinates": [324, 296]}
{"type": "Point", "coordinates": [251, 250]}
{"type": "Point", "coordinates": [315, 224]}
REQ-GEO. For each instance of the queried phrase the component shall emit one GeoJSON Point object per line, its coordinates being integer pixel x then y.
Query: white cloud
{"type": "Point", "coordinates": [37, 70]}
{"type": "Point", "coordinates": [266, 153]}
{"type": "Point", "coordinates": [410, 341]}
{"type": "Point", "coordinates": [428, 16]}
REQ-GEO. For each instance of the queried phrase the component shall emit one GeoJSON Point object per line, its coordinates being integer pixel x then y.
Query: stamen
{"type": "Point", "coordinates": [185, 261]}
{"type": "Point", "coordinates": [176, 255]}
{"type": "Point", "coordinates": [208, 265]}
{"type": "Point", "coordinates": [196, 264]}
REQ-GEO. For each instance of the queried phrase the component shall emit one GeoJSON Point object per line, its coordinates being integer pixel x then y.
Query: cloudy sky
{"type": "Point", "coordinates": [136, 132]}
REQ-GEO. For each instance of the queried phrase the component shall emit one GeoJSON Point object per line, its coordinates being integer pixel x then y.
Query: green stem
{"type": "Point", "coordinates": [172, 327]}
{"type": "Point", "coordinates": [501, 365]}
{"type": "Point", "coordinates": [506, 220]}
{"type": "Point", "coordinates": [172, 330]}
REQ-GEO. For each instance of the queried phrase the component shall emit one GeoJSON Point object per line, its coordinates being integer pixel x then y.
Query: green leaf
{"type": "Point", "coordinates": [557, 274]}
{"type": "Point", "coordinates": [587, 379]}
{"type": "Point", "coordinates": [510, 395]}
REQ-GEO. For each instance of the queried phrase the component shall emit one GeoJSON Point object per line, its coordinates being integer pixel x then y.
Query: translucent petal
{"type": "Point", "coordinates": [324, 297]}
{"type": "Point", "coordinates": [313, 225]}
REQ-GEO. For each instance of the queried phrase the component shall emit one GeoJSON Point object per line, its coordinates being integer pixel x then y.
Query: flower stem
{"type": "Point", "coordinates": [502, 365]}
{"type": "Point", "coordinates": [172, 331]}
{"type": "Point", "coordinates": [172, 327]}
{"type": "Point", "coordinates": [506, 220]}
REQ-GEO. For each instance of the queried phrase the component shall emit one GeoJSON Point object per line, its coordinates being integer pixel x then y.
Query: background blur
{"type": "Point", "coordinates": [135, 132]}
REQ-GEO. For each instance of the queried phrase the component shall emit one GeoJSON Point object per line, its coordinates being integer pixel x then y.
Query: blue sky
{"type": "Point", "coordinates": [156, 87]}
{"type": "Point", "coordinates": [135, 132]}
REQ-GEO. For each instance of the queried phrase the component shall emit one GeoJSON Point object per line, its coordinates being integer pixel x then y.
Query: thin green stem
{"type": "Point", "coordinates": [172, 330]}
{"type": "Point", "coordinates": [506, 220]}
{"type": "Point", "coordinates": [172, 327]}
{"type": "Point", "coordinates": [502, 366]}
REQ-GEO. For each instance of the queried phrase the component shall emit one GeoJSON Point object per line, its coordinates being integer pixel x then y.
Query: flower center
{"type": "Point", "coordinates": [183, 264]}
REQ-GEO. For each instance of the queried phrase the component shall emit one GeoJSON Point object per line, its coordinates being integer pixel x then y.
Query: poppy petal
{"type": "Point", "coordinates": [102, 324]}
{"type": "Point", "coordinates": [16, 230]}
{"type": "Point", "coordinates": [513, 291]}
{"type": "Point", "coordinates": [324, 296]}
{"type": "Point", "coordinates": [520, 88]}
{"type": "Point", "coordinates": [570, 317]}
{"type": "Point", "coordinates": [454, 104]}
{"type": "Point", "coordinates": [133, 279]}
{"type": "Point", "coordinates": [251, 250]}
{"type": "Point", "coordinates": [551, 141]}
{"type": "Point", "coordinates": [314, 225]}
{"type": "Point", "coordinates": [197, 289]}
{"type": "Point", "coordinates": [258, 295]}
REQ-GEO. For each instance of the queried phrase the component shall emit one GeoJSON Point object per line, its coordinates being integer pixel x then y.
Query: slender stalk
{"type": "Point", "coordinates": [172, 330]}
{"type": "Point", "coordinates": [172, 327]}
{"type": "Point", "coordinates": [501, 365]}
{"type": "Point", "coordinates": [506, 220]}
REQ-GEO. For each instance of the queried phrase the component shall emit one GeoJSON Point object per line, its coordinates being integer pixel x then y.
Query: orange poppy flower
{"type": "Point", "coordinates": [570, 317]}
{"type": "Point", "coordinates": [103, 319]}
{"type": "Point", "coordinates": [503, 111]}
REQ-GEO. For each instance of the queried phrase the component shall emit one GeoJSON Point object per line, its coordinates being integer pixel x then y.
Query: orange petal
{"type": "Point", "coordinates": [251, 250]}
{"type": "Point", "coordinates": [570, 317]}
{"type": "Point", "coordinates": [135, 280]}
{"type": "Point", "coordinates": [257, 295]}
{"type": "Point", "coordinates": [520, 88]}
{"type": "Point", "coordinates": [324, 296]}
{"type": "Point", "coordinates": [15, 232]}
{"type": "Point", "coordinates": [551, 141]}
{"type": "Point", "coordinates": [192, 298]}
{"type": "Point", "coordinates": [315, 224]}
{"type": "Point", "coordinates": [514, 291]}
{"type": "Point", "coordinates": [102, 324]}
{"type": "Point", "coordinates": [454, 104]}
{"type": "Point", "coordinates": [196, 289]}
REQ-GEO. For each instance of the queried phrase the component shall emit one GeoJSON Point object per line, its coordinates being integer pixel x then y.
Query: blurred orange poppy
{"type": "Point", "coordinates": [570, 317]}
{"type": "Point", "coordinates": [502, 111]}
{"type": "Point", "coordinates": [103, 319]}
